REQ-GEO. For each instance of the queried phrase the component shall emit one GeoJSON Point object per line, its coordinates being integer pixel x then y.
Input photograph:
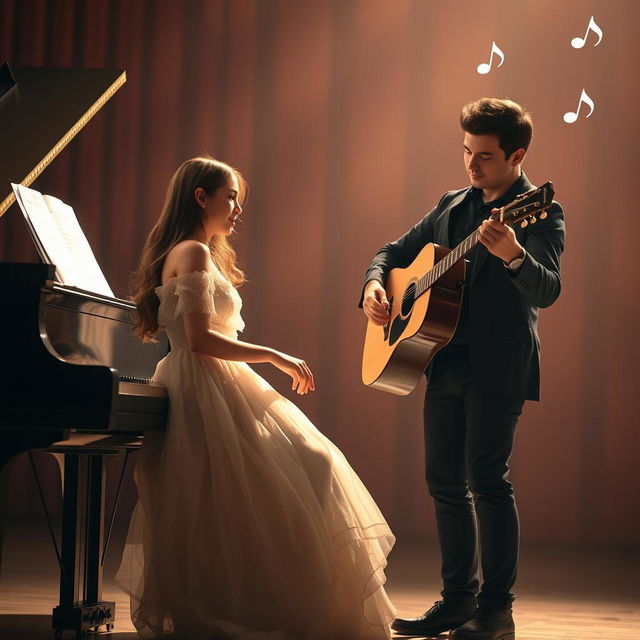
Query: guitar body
{"type": "Point", "coordinates": [396, 355]}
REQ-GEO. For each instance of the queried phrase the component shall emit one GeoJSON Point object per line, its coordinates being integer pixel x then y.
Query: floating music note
{"type": "Point", "coordinates": [578, 43]}
{"type": "Point", "coordinates": [572, 116]}
{"type": "Point", "coordinates": [484, 67]}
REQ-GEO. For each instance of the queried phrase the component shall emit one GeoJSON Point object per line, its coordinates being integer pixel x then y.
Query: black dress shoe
{"type": "Point", "coordinates": [487, 624]}
{"type": "Point", "coordinates": [442, 617]}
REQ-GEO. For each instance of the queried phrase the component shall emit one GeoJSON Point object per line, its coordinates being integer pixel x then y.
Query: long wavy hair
{"type": "Point", "coordinates": [180, 217]}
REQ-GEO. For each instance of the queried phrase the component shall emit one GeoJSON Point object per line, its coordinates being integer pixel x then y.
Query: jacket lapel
{"type": "Point", "coordinates": [442, 228]}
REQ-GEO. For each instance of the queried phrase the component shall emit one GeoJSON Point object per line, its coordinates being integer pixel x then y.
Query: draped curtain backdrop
{"type": "Point", "coordinates": [343, 116]}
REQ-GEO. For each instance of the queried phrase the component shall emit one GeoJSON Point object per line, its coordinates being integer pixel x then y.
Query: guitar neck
{"type": "Point", "coordinates": [440, 268]}
{"type": "Point", "coordinates": [526, 205]}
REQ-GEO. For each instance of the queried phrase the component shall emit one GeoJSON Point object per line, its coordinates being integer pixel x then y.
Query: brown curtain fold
{"type": "Point", "coordinates": [343, 116]}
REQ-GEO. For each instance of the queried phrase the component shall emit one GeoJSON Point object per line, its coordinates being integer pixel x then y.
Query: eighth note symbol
{"type": "Point", "coordinates": [578, 43]}
{"type": "Point", "coordinates": [571, 116]}
{"type": "Point", "coordinates": [484, 67]}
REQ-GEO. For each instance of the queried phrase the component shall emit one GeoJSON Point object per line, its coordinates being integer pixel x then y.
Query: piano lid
{"type": "Point", "coordinates": [42, 113]}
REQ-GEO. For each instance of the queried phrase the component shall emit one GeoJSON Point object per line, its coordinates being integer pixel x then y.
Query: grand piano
{"type": "Point", "coordinates": [75, 381]}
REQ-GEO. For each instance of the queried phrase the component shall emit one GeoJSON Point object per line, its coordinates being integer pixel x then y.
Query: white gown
{"type": "Point", "coordinates": [250, 523]}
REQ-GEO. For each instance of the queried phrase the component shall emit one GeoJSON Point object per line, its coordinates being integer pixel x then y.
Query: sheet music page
{"type": "Point", "coordinates": [43, 230]}
{"type": "Point", "coordinates": [30, 224]}
{"type": "Point", "coordinates": [57, 230]}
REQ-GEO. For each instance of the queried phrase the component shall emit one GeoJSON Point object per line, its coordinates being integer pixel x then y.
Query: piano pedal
{"type": "Point", "coordinates": [83, 618]}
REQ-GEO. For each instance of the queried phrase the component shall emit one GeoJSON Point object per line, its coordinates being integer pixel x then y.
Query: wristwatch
{"type": "Point", "coordinates": [516, 263]}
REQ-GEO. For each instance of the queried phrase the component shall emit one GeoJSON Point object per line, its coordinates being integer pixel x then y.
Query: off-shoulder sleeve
{"type": "Point", "coordinates": [195, 292]}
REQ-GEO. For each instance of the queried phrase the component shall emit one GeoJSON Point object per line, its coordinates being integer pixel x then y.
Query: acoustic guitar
{"type": "Point", "coordinates": [424, 303]}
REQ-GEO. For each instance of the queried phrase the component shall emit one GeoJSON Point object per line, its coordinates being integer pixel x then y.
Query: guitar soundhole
{"type": "Point", "coordinates": [408, 299]}
{"type": "Point", "coordinates": [400, 322]}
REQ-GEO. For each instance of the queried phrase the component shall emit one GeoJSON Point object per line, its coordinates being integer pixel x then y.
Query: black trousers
{"type": "Point", "coordinates": [469, 436]}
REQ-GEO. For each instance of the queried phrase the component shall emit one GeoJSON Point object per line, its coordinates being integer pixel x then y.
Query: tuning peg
{"type": "Point", "coordinates": [543, 215]}
{"type": "Point", "coordinates": [524, 223]}
{"type": "Point", "coordinates": [533, 220]}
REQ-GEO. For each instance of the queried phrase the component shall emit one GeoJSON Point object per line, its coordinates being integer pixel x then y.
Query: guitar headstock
{"type": "Point", "coordinates": [526, 206]}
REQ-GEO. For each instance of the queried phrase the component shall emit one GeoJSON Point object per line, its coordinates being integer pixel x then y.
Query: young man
{"type": "Point", "coordinates": [478, 383]}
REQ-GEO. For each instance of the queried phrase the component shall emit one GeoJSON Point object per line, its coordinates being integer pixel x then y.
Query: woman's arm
{"type": "Point", "coordinates": [202, 339]}
{"type": "Point", "coordinates": [195, 256]}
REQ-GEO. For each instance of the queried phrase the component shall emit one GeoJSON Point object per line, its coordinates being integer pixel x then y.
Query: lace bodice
{"type": "Point", "coordinates": [200, 291]}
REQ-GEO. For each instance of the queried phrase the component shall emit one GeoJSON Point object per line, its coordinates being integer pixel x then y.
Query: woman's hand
{"type": "Point", "coordinates": [298, 370]}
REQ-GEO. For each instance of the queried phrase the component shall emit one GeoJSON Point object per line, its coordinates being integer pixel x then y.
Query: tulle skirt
{"type": "Point", "coordinates": [250, 523]}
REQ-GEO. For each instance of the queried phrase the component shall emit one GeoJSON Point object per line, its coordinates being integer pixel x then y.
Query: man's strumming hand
{"type": "Point", "coordinates": [375, 304]}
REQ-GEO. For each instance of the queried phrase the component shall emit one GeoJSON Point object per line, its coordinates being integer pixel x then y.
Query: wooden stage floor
{"type": "Point", "coordinates": [563, 593]}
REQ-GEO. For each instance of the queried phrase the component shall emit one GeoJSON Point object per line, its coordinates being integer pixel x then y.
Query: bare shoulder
{"type": "Point", "coordinates": [185, 257]}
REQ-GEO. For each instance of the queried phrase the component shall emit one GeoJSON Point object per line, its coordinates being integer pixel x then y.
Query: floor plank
{"type": "Point", "coordinates": [562, 593]}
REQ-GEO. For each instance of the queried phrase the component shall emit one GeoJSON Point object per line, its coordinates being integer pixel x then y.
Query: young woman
{"type": "Point", "coordinates": [250, 523]}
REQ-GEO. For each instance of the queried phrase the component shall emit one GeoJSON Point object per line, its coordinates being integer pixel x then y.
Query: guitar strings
{"type": "Point", "coordinates": [471, 239]}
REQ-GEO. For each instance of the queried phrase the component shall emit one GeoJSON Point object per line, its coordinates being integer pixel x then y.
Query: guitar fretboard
{"type": "Point", "coordinates": [440, 268]}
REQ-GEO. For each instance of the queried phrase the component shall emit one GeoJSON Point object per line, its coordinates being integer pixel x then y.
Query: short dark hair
{"type": "Point", "coordinates": [501, 117]}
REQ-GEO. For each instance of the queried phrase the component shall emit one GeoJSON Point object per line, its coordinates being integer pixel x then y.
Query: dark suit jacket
{"type": "Point", "coordinates": [503, 305]}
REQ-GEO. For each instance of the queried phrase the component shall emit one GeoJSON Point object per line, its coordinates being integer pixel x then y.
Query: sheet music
{"type": "Point", "coordinates": [61, 241]}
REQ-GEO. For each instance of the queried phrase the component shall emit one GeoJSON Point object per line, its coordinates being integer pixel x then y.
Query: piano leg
{"type": "Point", "coordinates": [82, 540]}
{"type": "Point", "coordinates": [95, 528]}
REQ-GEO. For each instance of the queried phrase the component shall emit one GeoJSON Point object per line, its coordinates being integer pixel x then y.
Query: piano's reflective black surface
{"type": "Point", "coordinates": [75, 362]}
